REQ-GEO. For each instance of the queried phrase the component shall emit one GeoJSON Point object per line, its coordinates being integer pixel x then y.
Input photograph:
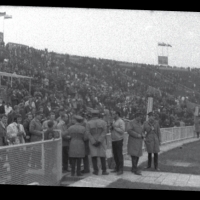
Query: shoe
{"type": "Point", "coordinates": [85, 172]}
{"type": "Point", "coordinates": [157, 169]}
{"type": "Point", "coordinates": [79, 174]}
{"type": "Point", "coordinates": [95, 173]}
{"type": "Point", "coordinates": [114, 171]}
{"type": "Point", "coordinates": [65, 171]}
{"type": "Point", "coordinates": [138, 173]}
{"type": "Point", "coordinates": [147, 167]}
{"type": "Point", "coordinates": [119, 173]}
{"type": "Point", "coordinates": [105, 173]}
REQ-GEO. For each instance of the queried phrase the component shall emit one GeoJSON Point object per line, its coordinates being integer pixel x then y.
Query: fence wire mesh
{"type": "Point", "coordinates": [38, 162]}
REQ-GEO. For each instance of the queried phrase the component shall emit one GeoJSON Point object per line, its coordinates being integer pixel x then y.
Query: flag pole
{"type": "Point", "coordinates": [3, 30]}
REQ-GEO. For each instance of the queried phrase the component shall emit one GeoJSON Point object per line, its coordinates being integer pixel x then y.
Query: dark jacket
{"type": "Point", "coordinates": [2, 109]}
{"type": "Point", "coordinates": [35, 128]}
{"type": "Point", "coordinates": [153, 137]}
{"type": "Point", "coordinates": [2, 134]}
{"type": "Point", "coordinates": [134, 130]}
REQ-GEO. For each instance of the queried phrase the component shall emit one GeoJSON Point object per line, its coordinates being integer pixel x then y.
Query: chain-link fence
{"type": "Point", "coordinates": [38, 162]}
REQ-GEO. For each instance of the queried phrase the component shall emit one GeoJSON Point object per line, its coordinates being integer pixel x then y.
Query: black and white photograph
{"type": "Point", "coordinates": [100, 98]}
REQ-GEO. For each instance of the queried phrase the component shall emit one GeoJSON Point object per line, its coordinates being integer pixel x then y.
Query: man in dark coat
{"type": "Point", "coordinates": [2, 107]}
{"type": "Point", "coordinates": [152, 139]}
{"type": "Point", "coordinates": [135, 141]}
{"type": "Point", "coordinates": [77, 136]}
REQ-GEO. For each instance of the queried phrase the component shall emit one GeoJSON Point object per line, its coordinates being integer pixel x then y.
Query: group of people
{"type": "Point", "coordinates": [89, 138]}
{"type": "Point", "coordinates": [97, 83]}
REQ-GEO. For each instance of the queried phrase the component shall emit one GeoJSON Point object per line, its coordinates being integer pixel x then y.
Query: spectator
{"type": "Point", "coordinates": [63, 126]}
{"type": "Point", "coordinates": [8, 108]}
{"type": "Point", "coordinates": [51, 118]}
{"type": "Point", "coordinates": [2, 107]}
{"type": "Point", "coordinates": [76, 146]}
{"type": "Point", "coordinates": [117, 136]}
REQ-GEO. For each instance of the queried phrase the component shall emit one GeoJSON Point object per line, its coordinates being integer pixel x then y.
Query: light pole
{"type": "Point", "coordinates": [5, 17]}
{"type": "Point", "coordinates": [2, 14]}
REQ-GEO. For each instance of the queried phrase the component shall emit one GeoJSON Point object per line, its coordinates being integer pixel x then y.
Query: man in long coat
{"type": "Point", "coordinates": [152, 140]}
{"type": "Point", "coordinates": [135, 141]}
{"type": "Point", "coordinates": [77, 135]}
{"type": "Point", "coordinates": [96, 132]}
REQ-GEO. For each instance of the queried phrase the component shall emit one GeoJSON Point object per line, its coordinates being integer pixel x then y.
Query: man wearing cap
{"type": "Point", "coordinates": [152, 139]}
{"type": "Point", "coordinates": [96, 132]}
{"type": "Point", "coordinates": [135, 141]}
{"type": "Point", "coordinates": [117, 136]}
{"type": "Point", "coordinates": [77, 134]}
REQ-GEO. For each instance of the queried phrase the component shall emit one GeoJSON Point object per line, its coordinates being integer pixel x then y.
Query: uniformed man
{"type": "Point", "coordinates": [96, 132]}
{"type": "Point", "coordinates": [152, 140]}
{"type": "Point", "coordinates": [135, 141]}
{"type": "Point", "coordinates": [77, 133]}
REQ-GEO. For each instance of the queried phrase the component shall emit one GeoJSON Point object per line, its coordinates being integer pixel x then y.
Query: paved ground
{"type": "Point", "coordinates": [148, 177]}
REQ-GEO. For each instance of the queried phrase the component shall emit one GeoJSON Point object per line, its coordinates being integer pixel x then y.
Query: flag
{"type": "Point", "coordinates": [2, 14]}
{"type": "Point", "coordinates": [169, 45]}
{"type": "Point", "coordinates": [162, 44]}
{"type": "Point", "coordinates": [7, 16]}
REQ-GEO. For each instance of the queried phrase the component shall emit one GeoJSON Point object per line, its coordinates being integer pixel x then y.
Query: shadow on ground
{"type": "Point", "coordinates": [121, 183]}
{"type": "Point", "coordinates": [184, 160]}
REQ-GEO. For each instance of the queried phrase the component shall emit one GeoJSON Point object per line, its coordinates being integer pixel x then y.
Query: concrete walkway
{"type": "Point", "coordinates": [159, 178]}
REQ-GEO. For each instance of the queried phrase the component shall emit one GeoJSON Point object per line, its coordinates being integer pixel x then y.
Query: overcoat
{"type": "Point", "coordinates": [135, 129]}
{"type": "Point", "coordinates": [76, 145]}
{"type": "Point", "coordinates": [153, 136]}
{"type": "Point", "coordinates": [96, 132]}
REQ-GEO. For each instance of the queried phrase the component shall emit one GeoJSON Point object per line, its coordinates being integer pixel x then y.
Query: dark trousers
{"type": "Point", "coordinates": [76, 165]}
{"type": "Point", "coordinates": [86, 164]}
{"type": "Point", "coordinates": [95, 165]}
{"type": "Point", "coordinates": [197, 134]}
{"type": "Point", "coordinates": [118, 154]}
{"type": "Point", "coordinates": [135, 160]}
{"type": "Point", "coordinates": [155, 160]}
{"type": "Point", "coordinates": [65, 157]}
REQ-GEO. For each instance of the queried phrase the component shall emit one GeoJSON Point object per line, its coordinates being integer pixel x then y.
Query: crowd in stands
{"type": "Point", "coordinates": [77, 84]}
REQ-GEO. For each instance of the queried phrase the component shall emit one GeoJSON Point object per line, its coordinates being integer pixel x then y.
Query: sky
{"type": "Point", "coordinates": [124, 35]}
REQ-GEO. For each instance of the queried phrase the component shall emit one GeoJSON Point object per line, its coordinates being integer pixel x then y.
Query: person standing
{"type": "Point", "coordinates": [117, 137]}
{"type": "Point", "coordinates": [2, 107]}
{"type": "Point", "coordinates": [96, 132]}
{"type": "Point", "coordinates": [17, 157]}
{"type": "Point", "coordinates": [135, 141]}
{"type": "Point", "coordinates": [86, 164]}
{"type": "Point", "coordinates": [152, 140]}
{"type": "Point", "coordinates": [197, 125]}
{"type": "Point", "coordinates": [63, 126]}
{"type": "Point", "coordinates": [77, 134]}
{"type": "Point", "coordinates": [36, 133]}
{"type": "Point", "coordinates": [51, 118]}
{"type": "Point", "coordinates": [26, 125]}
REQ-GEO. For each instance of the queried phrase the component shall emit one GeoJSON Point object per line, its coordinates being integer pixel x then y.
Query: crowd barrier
{"type": "Point", "coordinates": [30, 163]}
{"type": "Point", "coordinates": [40, 163]}
{"type": "Point", "coordinates": [168, 135]}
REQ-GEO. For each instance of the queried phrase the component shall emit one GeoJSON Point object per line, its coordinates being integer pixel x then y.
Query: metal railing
{"type": "Point", "coordinates": [36, 162]}
{"type": "Point", "coordinates": [168, 135]}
